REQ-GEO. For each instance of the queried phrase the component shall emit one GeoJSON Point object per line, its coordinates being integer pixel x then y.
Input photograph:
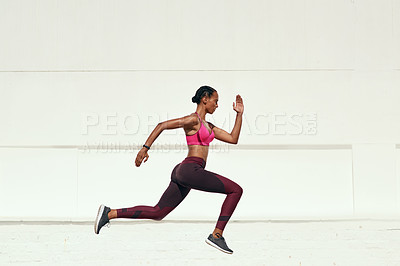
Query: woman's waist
{"type": "Point", "coordinates": [194, 159]}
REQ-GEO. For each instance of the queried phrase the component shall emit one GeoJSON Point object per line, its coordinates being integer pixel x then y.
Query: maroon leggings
{"type": "Point", "coordinates": [188, 174]}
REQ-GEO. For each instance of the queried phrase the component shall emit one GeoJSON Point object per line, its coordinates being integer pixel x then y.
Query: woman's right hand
{"type": "Point", "coordinates": [142, 154]}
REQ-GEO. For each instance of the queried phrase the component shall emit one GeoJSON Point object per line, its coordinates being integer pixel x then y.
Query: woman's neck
{"type": "Point", "coordinates": [201, 113]}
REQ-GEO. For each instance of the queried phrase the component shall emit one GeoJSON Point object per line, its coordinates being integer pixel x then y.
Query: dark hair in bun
{"type": "Point", "coordinates": [201, 92]}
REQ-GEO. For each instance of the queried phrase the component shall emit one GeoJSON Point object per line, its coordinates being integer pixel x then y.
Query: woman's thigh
{"type": "Point", "coordinates": [173, 195]}
{"type": "Point", "coordinates": [194, 176]}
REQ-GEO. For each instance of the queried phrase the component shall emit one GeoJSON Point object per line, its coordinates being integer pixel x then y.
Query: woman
{"type": "Point", "coordinates": [190, 173]}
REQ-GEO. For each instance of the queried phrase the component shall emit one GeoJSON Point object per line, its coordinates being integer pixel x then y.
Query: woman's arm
{"type": "Point", "coordinates": [232, 137]}
{"type": "Point", "coordinates": [186, 121]}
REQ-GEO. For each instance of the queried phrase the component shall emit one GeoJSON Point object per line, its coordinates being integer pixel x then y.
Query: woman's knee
{"type": "Point", "coordinates": [236, 189]}
{"type": "Point", "coordinates": [239, 190]}
{"type": "Point", "coordinates": [159, 217]}
{"type": "Point", "coordinates": [161, 213]}
{"type": "Point", "coordinates": [232, 187]}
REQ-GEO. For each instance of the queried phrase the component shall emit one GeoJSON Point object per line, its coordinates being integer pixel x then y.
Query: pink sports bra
{"type": "Point", "coordinates": [202, 136]}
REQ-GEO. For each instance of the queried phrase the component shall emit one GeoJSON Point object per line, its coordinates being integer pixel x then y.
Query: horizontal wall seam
{"type": "Point", "coordinates": [87, 222]}
{"type": "Point", "coordinates": [178, 70]}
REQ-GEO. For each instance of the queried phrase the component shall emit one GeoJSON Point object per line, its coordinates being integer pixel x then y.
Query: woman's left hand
{"type": "Point", "coordinates": [239, 108]}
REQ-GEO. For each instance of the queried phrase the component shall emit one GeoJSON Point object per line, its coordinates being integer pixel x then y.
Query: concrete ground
{"type": "Point", "coordinates": [281, 243]}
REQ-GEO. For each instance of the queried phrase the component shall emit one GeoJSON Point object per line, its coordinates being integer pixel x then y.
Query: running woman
{"type": "Point", "coordinates": [190, 173]}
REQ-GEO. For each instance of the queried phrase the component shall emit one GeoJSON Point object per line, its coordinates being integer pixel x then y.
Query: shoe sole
{"type": "Point", "coordinates": [217, 247]}
{"type": "Point", "coordinates": [99, 213]}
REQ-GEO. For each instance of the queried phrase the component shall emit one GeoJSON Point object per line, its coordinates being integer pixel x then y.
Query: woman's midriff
{"type": "Point", "coordinates": [198, 151]}
{"type": "Point", "coordinates": [193, 159]}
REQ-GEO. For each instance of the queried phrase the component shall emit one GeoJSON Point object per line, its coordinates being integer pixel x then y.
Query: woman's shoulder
{"type": "Point", "coordinates": [191, 120]}
{"type": "Point", "coordinates": [193, 116]}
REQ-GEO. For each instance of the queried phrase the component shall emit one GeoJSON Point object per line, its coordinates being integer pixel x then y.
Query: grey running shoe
{"type": "Point", "coordinates": [218, 243]}
{"type": "Point", "coordinates": [102, 218]}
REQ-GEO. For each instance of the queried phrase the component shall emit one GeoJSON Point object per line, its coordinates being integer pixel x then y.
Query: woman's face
{"type": "Point", "coordinates": [212, 102]}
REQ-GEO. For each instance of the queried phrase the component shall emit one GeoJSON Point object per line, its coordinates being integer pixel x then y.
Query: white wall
{"type": "Point", "coordinates": [81, 82]}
